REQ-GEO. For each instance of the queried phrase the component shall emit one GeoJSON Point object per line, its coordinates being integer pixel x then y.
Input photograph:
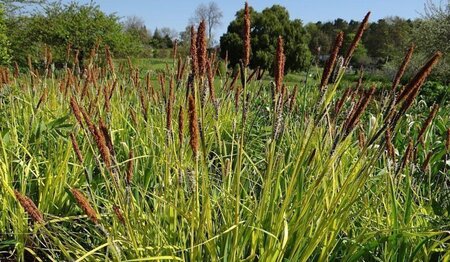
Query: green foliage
{"type": "Point", "coordinates": [265, 29]}
{"type": "Point", "coordinates": [433, 33]}
{"type": "Point", "coordinates": [58, 25]}
{"type": "Point", "coordinates": [4, 42]}
{"type": "Point", "coordinates": [386, 38]}
{"type": "Point", "coordinates": [436, 92]}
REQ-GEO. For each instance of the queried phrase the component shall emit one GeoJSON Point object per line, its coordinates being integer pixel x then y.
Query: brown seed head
{"type": "Point", "coordinates": [328, 70]}
{"type": "Point", "coordinates": [389, 145]}
{"type": "Point", "coordinates": [361, 140]}
{"type": "Point", "coordinates": [102, 145]}
{"type": "Point", "coordinates": [109, 59]}
{"type": "Point", "coordinates": [193, 127]}
{"type": "Point", "coordinates": [358, 36]}
{"type": "Point", "coordinates": [175, 49]}
{"type": "Point", "coordinates": [169, 109]}
{"type": "Point", "coordinates": [83, 203]}
{"type": "Point", "coordinates": [16, 70]}
{"type": "Point", "coordinates": [358, 110]}
{"type": "Point", "coordinates": [130, 167]}
{"type": "Point", "coordinates": [411, 90]}
{"type": "Point", "coordinates": [193, 51]}
{"type": "Point", "coordinates": [426, 162]}
{"type": "Point", "coordinates": [407, 155]}
{"type": "Point", "coordinates": [180, 125]}
{"type": "Point", "coordinates": [447, 143]}
{"type": "Point", "coordinates": [201, 48]}
{"type": "Point", "coordinates": [29, 207]}
{"type": "Point", "coordinates": [246, 35]}
{"type": "Point", "coordinates": [119, 214]}
{"type": "Point", "coordinates": [428, 121]}
{"type": "Point", "coordinates": [403, 66]}
{"type": "Point", "coordinates": [279, 73]}
{"type": "Point", "coordinates": [76, 111]}
{"type": "Point", "coordinates": [210, 75]}
{"type": "Point", "coordinates": [76, 148]}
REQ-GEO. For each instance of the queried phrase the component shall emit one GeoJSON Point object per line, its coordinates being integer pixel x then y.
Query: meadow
{"type": "Point", "coordinates": [171, 160]}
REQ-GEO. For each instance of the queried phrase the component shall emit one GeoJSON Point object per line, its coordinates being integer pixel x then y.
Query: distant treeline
{"type": "Point", "coordinates": [75, 29]}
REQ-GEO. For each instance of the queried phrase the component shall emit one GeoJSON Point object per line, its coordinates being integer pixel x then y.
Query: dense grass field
{"type": "Point", "coordinates": [141, 162]}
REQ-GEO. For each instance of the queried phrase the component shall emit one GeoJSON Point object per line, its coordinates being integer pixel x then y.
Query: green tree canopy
{"type": "Point", "coordinates": [81, 26]}
{"type": "Point", "coordinates": [4, 42]}
{"type": "Point", "coordinates": [265, 29]}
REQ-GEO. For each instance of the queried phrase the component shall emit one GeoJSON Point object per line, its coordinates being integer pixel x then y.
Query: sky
{"type": "Point", "coordinates": [175, 14]}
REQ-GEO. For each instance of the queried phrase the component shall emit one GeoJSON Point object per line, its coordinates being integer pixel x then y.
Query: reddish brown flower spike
{"type": "Point", "coordinates": [130, 167]}
{"type": "Point", "coordinates": [279, 73]}
{"type": "Point", "coordinates": [193, 126]}
{"type": "Point", "coordinates": [29, 207]}
{"type": "Point", "coordinates": [201, 48]}
{"type": "Point", "coordinates": [246, 35]}
{"type": "Point", "coordinates": [83, 202]}
{"type": "Point", "coordinates": [193, 51]}
{"type": "Point", "coordinates": [358, 36]}
{"type": "Point", "coordinates": [332, 60]}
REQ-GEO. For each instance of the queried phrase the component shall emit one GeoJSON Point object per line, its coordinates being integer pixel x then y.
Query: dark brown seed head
{"type": "Point", "coordinates": [402, 69]}
{"type": "Point", "coordinates": [361, 140]}
{"type": "Point", "coordinates": [447, 143]}
{"type": "Point", "coordinates": [358, 36]}
{"type": "Point", "coordinates": [426, 162]}
{"type": "Point", "coordinates": [279, 73]}
{"type": "Point", "coordinates": [76, 111]}
{"type": "Point", "coordinates": [236, 75]}
{"type": "Point", "coordinates": [119, 214]}
{"type": "Point", "coordinates": [169, 110]}
{"type": "Point", "coordinates": [105, 132]}
{"type": "Point", "coordinates": [193, 51]}
{"type": "Point", "coordinates": [83, 203]}
{"type": "Point", "coordinates": [355, 115]}
{"type": "Point", "coordinates": [201, 48]}
{"type": "Point", "coordinates": [29, 207]}
{"type": "Point", "coordinates": [16, 70]}
{"type": "Point", "coordinates": [210, 74]}
{"type": "Point", "coordinates": [109, 59]}
{"type": "Point", "coordinates": [130, 167]}
{"type": "Point", "coordinates": [328, 70]}
{"type": "Point", "coordinates": [428, 121]}
{"type": "Point", "coordinates": [76, 148]}
{"type": "Point", "coordinates": [246, 35]}
{"type": "Point", "coordinates": [175, 49]}
{"type": "Point", "coordinates": [180, 125]}
{"type": "Point", "coordinates": [102, 145]}
{"type": "Point", "coordinates": [407, 155]}
{"type": "Point", "coordinates": [411, 90]}
{"type": "Point", "coordinates": [193, 127]}
{"type": "Point", "coordinates": [389, 145]}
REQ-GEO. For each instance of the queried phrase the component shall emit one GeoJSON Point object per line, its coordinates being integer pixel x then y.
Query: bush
{"type": "Point", "coordinates": [435, 92]}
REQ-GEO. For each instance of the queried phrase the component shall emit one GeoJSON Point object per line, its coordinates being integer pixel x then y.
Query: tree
{"type": "Point", "coordinates": [433, 34]}
{"type": "Point", "coordinates": [136, 27]}
{"type": "Point", "coordinates": [266, 27]}
{"type": "Point", "coordinates": [387, 38]}
{"type": "Point", "coordinates": [83, 26]}
{"type": "Point", "coordinates": [212, 15]}
{"type": "Point", "coordinates": [4, 42]}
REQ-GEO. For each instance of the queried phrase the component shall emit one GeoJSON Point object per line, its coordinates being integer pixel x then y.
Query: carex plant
{"type": "Point", "coordinates": [105, 161]}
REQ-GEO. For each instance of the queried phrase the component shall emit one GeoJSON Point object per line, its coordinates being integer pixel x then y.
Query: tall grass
{"type": "Point", "coordinates": [91, 168]}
